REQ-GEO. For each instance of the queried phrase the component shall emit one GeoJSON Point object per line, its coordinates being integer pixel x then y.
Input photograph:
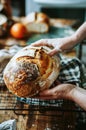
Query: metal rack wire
{"type": "Point", "coordinates": [62, 116]}
{"type": "Point", "coordinates": [8, 101]}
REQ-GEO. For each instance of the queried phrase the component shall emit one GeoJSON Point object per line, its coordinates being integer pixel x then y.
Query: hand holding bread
{"type": "Point", "coordinates": [31, 70]}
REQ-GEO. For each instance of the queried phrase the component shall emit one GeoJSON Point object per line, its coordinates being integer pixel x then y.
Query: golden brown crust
{"type": "Point", "coordinates": [36, 17]}
{"type": "Point", "coordinates": [42, 17]}
{"type": "Point", "coordinates": [31, 70]}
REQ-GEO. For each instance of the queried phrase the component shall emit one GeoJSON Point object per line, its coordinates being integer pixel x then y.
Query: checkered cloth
{"type": "Point", "coordinates": [70, 72]}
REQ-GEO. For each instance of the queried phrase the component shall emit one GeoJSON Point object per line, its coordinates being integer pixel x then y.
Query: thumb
{"type": "Point", "coordinates": [54, 51]}
{"type": "Point", "coordinates": [40, 43]}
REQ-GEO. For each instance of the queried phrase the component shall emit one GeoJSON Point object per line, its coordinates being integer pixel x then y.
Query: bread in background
{"type": "Point", "coordinates": [37, 22]}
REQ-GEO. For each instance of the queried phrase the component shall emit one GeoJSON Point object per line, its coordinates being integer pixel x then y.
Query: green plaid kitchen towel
{"type": "Point", "coordinates": [70, 72]}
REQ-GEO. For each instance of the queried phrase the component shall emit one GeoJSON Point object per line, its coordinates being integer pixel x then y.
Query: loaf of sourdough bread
{"type": "Point", "coordinates": [31, 70]}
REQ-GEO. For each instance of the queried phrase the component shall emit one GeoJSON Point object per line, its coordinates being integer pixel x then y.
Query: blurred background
{"type": "Point", "coordinates": [65, 9]}
{"type": "Point", "coordinates": [75, 9]}
{"type": "Point", "coordinates": [65, 17]}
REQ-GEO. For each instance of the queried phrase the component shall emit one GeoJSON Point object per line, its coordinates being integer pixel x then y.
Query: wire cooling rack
{"type": "Point", "coordinates": [8, 101]}
{"type": "Point", "coordinates": [60, 117]}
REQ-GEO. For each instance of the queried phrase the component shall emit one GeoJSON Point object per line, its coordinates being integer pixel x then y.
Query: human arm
{"type": "Point", "coordinates": [66, 43]}
{"type": "Point", "coordinates": [66, 91]}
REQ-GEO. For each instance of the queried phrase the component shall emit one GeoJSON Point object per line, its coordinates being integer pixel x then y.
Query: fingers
{"type": "Point", "coordinates": [49, 92]}
{"type": "Point", "coordinates": [55, 92]}
{"type": "Point", "coordinates": [54, 51]}
{"type": "Point", "coordinates": [47, 42]}
{"type": "Point", "coordinates": [41, 43]}
{"type": "Point", "coordinates": [47, 97]}
{"type": "Point", "coordinates": [46, 94]}
{"type": "Point", "coordinates": [61, 91]}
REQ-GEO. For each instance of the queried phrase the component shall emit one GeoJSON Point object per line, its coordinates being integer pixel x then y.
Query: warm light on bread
{"type": "Point", "coordinates": [31, 70]}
